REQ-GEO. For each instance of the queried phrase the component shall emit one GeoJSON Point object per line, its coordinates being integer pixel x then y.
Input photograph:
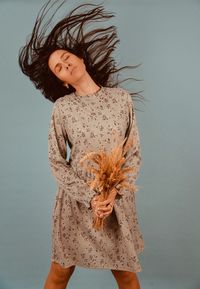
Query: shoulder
{"type": "Point", "coordinates": [118, 90]}
{"type": "Point", "coordinates": [120, 93]}
{"type": "Point", "coordinates": [62, 102]}
{"type": "Point", "coordinates": [57, 107]}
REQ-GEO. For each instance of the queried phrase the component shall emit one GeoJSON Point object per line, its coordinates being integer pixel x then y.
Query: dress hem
{"type": "Point", "coordinates": [97, 267]}
{"type": "Point", "coordinates": [111, 267]}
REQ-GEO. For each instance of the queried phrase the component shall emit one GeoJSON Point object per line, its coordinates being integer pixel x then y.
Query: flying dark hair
{"type": "Point", "coordinates": [94, 46]}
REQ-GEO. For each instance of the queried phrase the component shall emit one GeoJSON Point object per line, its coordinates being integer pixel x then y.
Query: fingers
{"type": "Point", "coordinates": [103, 212]}
{"type": "Point", "coordinates": [103, 203]}
{"type": "Point", "coordinates": [102, 209]}
{"type": "Point", "coordinates": [106, 202]}
{"type": "Point", "coordinates": [103, 215]}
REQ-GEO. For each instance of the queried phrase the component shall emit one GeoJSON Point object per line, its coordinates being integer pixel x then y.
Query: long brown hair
{"type": "Point", "coordinates": [94, 46]}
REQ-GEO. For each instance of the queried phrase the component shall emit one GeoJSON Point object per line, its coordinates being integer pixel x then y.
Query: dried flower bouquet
{"type": "Point", "coordinates": [110, 173]}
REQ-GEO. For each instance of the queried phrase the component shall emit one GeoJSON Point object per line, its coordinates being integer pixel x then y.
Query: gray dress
{"type": "Point", "coordinates": [86, 123]}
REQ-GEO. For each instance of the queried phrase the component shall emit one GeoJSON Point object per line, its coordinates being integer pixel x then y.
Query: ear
{"type": "Point", "coordinates": [66, 84]}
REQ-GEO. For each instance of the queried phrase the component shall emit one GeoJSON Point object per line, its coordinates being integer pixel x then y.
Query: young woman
{"type": "Point", "coordinates": [74, 70]}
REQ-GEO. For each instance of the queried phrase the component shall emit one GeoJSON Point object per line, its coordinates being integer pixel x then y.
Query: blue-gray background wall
{"type": "Point", "coordinates": [164, 36]}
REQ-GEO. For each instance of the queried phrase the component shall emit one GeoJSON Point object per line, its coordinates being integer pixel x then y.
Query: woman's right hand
{"type": "Point", "coordinates": [101, 208]}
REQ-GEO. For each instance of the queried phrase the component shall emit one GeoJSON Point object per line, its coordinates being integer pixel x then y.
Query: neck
{"type": "Point", "coordinates": [86, 85]}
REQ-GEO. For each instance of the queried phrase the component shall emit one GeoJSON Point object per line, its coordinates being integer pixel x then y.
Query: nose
{"type": "Point", "coordinates": [67, 65]}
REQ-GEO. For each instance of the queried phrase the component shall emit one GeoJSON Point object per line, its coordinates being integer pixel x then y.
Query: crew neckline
{"type": "Point", "coordinates": [91, 94]}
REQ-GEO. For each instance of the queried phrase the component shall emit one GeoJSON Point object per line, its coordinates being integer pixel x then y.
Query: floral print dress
{"type": "Point", "coordinates": [86, 123]}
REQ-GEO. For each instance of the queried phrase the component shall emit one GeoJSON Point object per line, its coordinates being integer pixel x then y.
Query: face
{"type": "Point", "coordinates": [66, 66]}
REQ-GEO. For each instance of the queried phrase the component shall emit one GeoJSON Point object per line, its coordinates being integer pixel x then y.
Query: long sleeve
{"type": "Point", "coordinates": [65, 176]}
{"type": "Point", "coordinates": [133, 156]}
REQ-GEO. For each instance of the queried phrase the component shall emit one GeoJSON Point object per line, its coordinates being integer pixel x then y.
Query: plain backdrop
{"type": "Point", "coordinates": [164, 36]}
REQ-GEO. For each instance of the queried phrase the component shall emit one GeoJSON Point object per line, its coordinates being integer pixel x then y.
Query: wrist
{"type": "Point", "coordinates": [93, 200]}
{"type": "Point", "coordinates": [114, 192]}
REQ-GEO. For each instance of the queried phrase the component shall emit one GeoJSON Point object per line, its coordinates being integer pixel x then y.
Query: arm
{"type": "Point", "coordinates": [65, 176]}
{"type": "Point", "coordinates": [133, 156]}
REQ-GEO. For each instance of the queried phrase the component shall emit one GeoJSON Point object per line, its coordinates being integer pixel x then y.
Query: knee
{"type": "Point", "coordinates": [59, 273]}
{"type": "Point", "coordinates": [124, 277]}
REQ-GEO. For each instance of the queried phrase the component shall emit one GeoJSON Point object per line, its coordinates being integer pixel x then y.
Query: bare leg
{"type": "Point", "coordinates": [126, 279]}
{"type": "Point", "coordinates": [58, 276]}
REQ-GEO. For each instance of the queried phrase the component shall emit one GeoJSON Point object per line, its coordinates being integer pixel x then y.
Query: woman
{"type": "Point", "coordinates": [75, 71]}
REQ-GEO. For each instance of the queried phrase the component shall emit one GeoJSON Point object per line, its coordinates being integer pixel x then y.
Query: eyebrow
{"type": "Point", "coordinates": [61, 58]}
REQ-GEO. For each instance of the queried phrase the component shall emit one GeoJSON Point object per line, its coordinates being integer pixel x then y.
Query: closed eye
{"type": "Point", "coordinates": [58, 68]}
{"type": "Point", "coordinates": [66, 57]}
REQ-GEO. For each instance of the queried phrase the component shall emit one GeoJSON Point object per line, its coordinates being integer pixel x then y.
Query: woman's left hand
{"type": "Point", "coordinates": [104, 208]}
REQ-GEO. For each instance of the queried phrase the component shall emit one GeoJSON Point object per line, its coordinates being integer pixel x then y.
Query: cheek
{"type": "Point", "coordinates": [63, 75]}
{"type": "Point", "coordinates": [80, 67]}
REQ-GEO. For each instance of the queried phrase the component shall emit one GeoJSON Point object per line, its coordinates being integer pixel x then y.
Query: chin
{"type": "Point", "coordinates": [78, 74]}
